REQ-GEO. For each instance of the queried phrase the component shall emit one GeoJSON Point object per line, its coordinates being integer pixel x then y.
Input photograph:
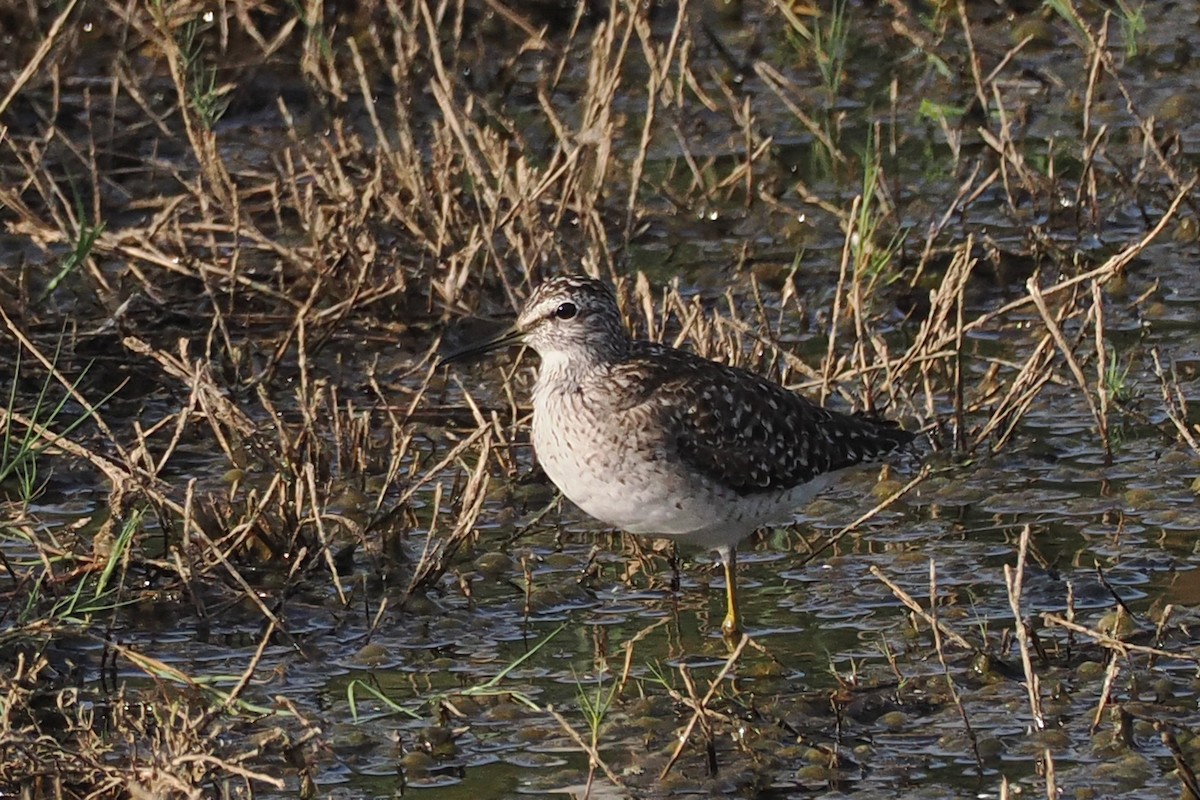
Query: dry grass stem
{"type": "Point", "coordinates": [1117, 645]}
{"type": "Point", "coordinates": [935, 627]}
{"type": "Point", "coordinates": [930, 618]}
{"type": "Point", "coordinates": [1013, 579]}
{"type": "Point", "coordinates": [700, 707]}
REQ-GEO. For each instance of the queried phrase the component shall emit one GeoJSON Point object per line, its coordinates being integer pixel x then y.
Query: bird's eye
{"type": "Point", "coordinates": [566, 311]}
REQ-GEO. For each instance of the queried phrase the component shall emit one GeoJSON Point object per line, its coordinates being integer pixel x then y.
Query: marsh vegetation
{"type": "Point", "coordinates": [254, 543]}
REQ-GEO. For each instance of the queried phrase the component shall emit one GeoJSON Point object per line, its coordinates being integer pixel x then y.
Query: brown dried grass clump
{"type": "Point", "coordinates": [163, 741]}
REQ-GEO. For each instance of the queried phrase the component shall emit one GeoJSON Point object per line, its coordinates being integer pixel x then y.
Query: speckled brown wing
{"type": "Point", "coordinates": [747, 433]}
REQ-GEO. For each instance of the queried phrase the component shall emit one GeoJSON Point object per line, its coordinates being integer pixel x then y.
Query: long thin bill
{"type": "Point", "coordinates": [506, 338]}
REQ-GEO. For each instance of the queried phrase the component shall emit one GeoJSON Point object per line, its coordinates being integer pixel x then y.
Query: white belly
{"type": "Point", "coordinates": [612, 470]}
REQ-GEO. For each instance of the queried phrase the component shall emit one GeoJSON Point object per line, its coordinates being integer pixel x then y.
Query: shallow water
{"type": "Point", "coordinates": [843, 692]}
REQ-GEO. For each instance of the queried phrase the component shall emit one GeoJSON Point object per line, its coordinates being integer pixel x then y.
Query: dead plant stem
{"type": "Point", "coordinates": [1013, 579]}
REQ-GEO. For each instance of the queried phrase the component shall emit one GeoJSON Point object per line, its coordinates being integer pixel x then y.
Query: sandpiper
{"type": "Point", "coordinates": [658, 441]}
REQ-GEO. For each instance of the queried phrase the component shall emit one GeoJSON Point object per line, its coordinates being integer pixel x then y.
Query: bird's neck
{"type": "Point", "coordinates": [565, 369]}
{"type": "Point", "coordinates": [565, 375]}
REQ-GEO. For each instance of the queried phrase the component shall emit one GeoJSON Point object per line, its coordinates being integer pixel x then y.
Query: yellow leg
{"type": "Point", "coordinates": [732, 626]}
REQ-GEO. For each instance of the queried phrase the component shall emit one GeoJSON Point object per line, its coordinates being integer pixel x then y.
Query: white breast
{"type": "Point", "coordinates": [613, 465]}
